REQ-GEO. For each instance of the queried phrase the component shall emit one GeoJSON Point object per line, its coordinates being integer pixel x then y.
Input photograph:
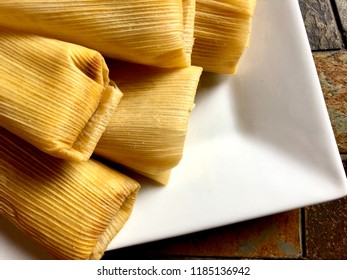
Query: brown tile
{"type": "Point", "coordinates": [320, 24]}
{"type": "Point", "coordinates": [332, 72]}
{"type": "Point", "coordinates": [326, 230]}
{"type": "Point", "coordinates": [276, 236]}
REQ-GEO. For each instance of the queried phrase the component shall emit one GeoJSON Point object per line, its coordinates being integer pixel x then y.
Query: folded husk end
{"type": "Point", "coordinates": [114, 227]}
{"type": "Point", "coordinates": [87, 140]}
{"type": "Point", "coordinates": [73, 209]}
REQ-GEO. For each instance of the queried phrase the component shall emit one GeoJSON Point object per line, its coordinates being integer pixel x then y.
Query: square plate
{"type": "Point", "coordinates": [258, 143]}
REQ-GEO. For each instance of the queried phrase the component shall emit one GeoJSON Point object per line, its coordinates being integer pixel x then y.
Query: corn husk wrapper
{"type": "Point", "coordinates": [152, 32]}
{"type": "Point", "coordinates": [147, 131]}
{"type": "Point", "coordinates": [55, 95]}
{"type": "Point", "coordinates": [222, 33]}
{"type": "Point", "coordinates": [73, 209]}
{"type": "Point", "coordinates": [189, 7]}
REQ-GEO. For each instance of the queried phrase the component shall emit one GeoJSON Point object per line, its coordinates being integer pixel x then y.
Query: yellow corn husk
{"type": "Point", "coordinates": [54, 94]}
{"type": "Point", "coordinates": [73, 209]}
{"type": "Point", "coordinates": [188, 24]}
{"type": "Point", "coordinates": [222, 32]}
{"type": "Point", "coordinates": [141, 31]}
{"type": "Point", "coordinates": [147, 131]}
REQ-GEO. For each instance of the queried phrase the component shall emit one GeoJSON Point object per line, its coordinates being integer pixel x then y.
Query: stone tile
{"type": "Point", "coordinates": [332, 72]}
{"type": "Point", "coordinates": [276, 236]}
{"type": "Point", "coordinates": [341, 6]}
{"type": "Point", "coordinates": [326, 230]}
{"type": "Point", "coordinates": [320, 24]}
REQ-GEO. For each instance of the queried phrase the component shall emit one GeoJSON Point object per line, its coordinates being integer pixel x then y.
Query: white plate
{"type": "Point", "coordinates": [258, 143]}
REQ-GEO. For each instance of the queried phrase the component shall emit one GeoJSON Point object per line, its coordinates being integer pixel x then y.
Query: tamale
{"type": "Point", "coordinates": [222, 33]}
{"type": "Point", "coordinates": [55, 95]}
{"type": "Point", "coordinates": [151, 32]}
{"type": "Point", "coordinates": [147, 131]}
{"type": "Point", "coordinates": [73, 209]}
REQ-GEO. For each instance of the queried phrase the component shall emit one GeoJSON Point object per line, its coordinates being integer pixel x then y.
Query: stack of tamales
{"type": "Point", "coordinates": [114, 79]}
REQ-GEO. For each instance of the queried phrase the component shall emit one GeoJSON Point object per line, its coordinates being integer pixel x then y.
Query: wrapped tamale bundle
{"type": "Point", "coordinates": [152, 32]}
{"type": "Point", "coordinates": [222, 33]}
{"type": "Point", "coordinates": [147, 131]}
{"type": "Point", "coordinates": [73, 209]}
{"type": "Point", "coordinates": [55, 95]}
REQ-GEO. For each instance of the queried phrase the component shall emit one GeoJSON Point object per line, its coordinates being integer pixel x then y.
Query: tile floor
{"type": "Point", "coordinates": [325, 235]}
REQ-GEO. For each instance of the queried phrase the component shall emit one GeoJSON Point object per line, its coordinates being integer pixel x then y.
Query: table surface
{"type": "Point", "coordinates": [315, 232]}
